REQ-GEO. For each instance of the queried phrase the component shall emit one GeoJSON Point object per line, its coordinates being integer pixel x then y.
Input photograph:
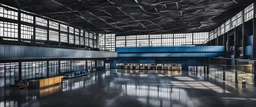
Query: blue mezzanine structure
{"type": "Point", "coordinates": [180, 51]}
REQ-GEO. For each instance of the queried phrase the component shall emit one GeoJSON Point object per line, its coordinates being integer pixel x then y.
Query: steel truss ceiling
{"type": "Point", "coordinates": [126, 17]}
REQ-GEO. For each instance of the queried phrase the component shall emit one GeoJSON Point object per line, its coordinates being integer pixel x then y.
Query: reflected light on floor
{"type": "Point", "coordinates": [191, 83]}
{"type": "Point", "coordinates": [50, 90]}
{"type": "Point", "coordinates": [154, 93]}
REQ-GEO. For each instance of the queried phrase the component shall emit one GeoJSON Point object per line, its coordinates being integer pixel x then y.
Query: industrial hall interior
{"type": "Point", "coordinates": [127, 53]}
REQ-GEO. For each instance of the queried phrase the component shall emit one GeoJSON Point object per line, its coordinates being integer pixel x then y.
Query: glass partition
{"type": "Point", "coordinates": [232, 70]}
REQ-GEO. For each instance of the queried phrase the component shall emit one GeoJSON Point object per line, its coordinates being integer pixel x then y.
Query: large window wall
{"type": "Point", "coordinates": [243, 16]}
{"type": "Point", "coordinates": [9, 72]}
{"type": "Point", "coordinates": [179, 39]}
{"type": "Point", "coordinates": [41, 30]}
{"type": "Point", "coordinates": [32, 70]}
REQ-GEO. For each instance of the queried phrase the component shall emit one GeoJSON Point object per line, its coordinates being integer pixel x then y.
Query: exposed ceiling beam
{"type": "Point", "coordinates": [80, 16]}
{"type": "Point", "coordinates": [120, 9]}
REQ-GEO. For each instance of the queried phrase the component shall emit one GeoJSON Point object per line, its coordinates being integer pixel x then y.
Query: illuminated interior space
{"type": "Point", "coordinates": [127, 53]}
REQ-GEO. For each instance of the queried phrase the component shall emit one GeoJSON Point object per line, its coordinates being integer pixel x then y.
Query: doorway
{"type": "Point", "coordinates": [107, 66]}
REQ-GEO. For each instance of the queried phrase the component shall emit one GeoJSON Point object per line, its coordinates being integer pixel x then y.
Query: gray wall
{"type": "Point", "coordinates": [15, 51]}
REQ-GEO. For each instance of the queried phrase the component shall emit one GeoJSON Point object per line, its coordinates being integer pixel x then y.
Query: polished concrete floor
{"type": "Point", "coordinates": [130, 88]}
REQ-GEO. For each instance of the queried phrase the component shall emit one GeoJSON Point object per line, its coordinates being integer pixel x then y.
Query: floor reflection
{"type": "Point", "coordinates": [129, 88]}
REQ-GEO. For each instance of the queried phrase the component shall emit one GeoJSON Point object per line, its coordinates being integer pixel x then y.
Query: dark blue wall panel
{"type": "Point", "coordinates": [181, 49]}
{"type": "Point", "coordinates": [170, 54]}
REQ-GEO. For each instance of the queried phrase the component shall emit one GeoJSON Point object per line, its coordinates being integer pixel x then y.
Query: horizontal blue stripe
{"type": "Point", "coordinates": [181, 49]}
{"type": "Point", "coordinates": [171, 55]}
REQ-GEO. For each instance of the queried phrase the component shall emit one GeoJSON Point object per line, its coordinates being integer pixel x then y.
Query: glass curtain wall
{"type": "Point", "coordinates": [41, 30]}
{"type": "Point", "coordinates": [65, 66]}
{"type": "Point", "coordinates": [234, 22]}
{"type": "Point", "coordinates": [245, 70]}
{"type": "Point", "coordinates": [53, 68]}
{"type": "Point", "coordinates": [31, 70]}
{"type": "Point", "coordinates": [100, 63]}
{"type": "Point", "coordinates": [158, 40]}
{"type": "Point", "coordinates": [89, 64]}
{"type": "Point", "coordinates": [9, 72]}
{"type": "Point", "coordinates": [78, 65]}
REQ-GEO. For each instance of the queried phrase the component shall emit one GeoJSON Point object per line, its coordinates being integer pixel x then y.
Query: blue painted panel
{"type": "Point", "coordinates": [181, 49]}
{"type": "Point", "coordinates": [248, 50]}
{"type": "Point", "coordinates": [250, 40]}
{"type": "Point", "coordinates": [147, 61]}
{"type": "Point", "coordinates": [171, 55]}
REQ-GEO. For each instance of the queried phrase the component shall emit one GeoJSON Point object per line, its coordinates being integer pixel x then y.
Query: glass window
{"type": "Point", "coordinates": [63, 38]}
{"type": "Point", "coordinates": [27, 18]}
{"type": "Point", "coordinates": [167, 40]}
{"type": "Point", "coordinates": [155, 42]}
{"type": "Point", "coordinates": [32, 70]}
{"type": "Point", "coordinates": [41, 21]}
{"type": "Point", "coordinates": [91, 43]}
{"type": "Point", "coordinates": [222, 29]}
{"type": "Point", "coordinates": [227, 25]}
{"type": "Point", "coordinates": [239, 18]}
{"type": "Point", "coordinates": [53, 36]}
{"type": "Point", "coordinates": [1, 11]}
{"type": "Point", "coordinates": [142, 40]}
{"type": "Point", "coordinates": [63, 28]}
{"type": "Point", "coordinates": [179, 39]}
{"type": "Point", "coordinates": [81, 37]}
{"type": "Point", "coordinates": [77, 40]}
{"type": "Point", "coordinates": [8, 13]}
{"type": "Point", "coordinates": [156, 36]}
{"type": "Point", "coordinates": [248, 12]}
{"type": "Point", "coordinates": [233, 22]}
{"type": "Point", "coordinates": [200, 38]}
{"type": "Point", "coordinates": [89, 64]}
{"type": "Point", "coordinates": [11, 73]}
{"type": "Point", "coordinates": [54, 25]}
{"type": "Point", "coordinates": [71, 39]}
{"type": "Point", "coordinates": [102, 41]}
{"type": "Point", "coordinates": [41, 34]}
{"type": "Point", "coordinates": [120, 41]}
{"type": "Point", "coordinates": [9, 31]}
{"type": "Point", "coordinates": [131, 43]}
{"type": "Point", "coordinates": [110, 42]}
{"type": "Point", "coordinates": [27, 33]}
{"type": "Point", "coordinates": [65, 66]}
{"type": "Point", "coordinates": [53, 68]}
